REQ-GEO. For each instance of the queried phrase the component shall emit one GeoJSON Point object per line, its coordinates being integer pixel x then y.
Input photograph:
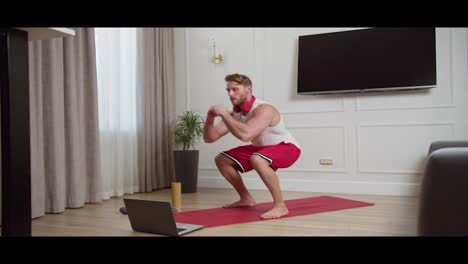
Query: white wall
{"type": "Point", "coordinates": [378, 141]}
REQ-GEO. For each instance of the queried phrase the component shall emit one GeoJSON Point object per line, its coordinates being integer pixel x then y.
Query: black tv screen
{"type": "Point", "coordinates": [374, 59]}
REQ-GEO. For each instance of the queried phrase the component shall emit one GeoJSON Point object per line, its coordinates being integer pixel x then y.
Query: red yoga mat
{"type": "Point", "coordinates": [228, 216]}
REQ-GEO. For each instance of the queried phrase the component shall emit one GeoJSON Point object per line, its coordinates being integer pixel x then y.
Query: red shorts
{"type": "Point", "coordinates": [282, 155]}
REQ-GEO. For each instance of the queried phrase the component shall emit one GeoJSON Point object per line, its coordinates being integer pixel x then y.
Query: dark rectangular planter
{"type": "Point", "coordinates": [186, 169]}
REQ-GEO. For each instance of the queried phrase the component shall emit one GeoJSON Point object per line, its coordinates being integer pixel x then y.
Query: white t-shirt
{"type": "Point", "coordinates": [271, 135]}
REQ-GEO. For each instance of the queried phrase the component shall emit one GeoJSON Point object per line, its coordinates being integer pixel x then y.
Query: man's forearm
{"type": "Point", "coordinates": [209, 131]}
{"type": "Point", "coordinates": [238, 129]}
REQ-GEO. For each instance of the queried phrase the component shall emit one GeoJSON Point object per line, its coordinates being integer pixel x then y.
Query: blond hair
{"type": "Point", "coordinates": [238, 78]}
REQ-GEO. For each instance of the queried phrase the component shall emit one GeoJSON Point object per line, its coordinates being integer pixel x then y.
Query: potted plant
{"type": "Point", "coordinates": [188, 130]}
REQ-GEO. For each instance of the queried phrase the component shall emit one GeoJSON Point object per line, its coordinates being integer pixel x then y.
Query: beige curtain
{"type": "Point", "coordinates": [156, 108]}
{"type": "Point", "coordinates": [64, 123]}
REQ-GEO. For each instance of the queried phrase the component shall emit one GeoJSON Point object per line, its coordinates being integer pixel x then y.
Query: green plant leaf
{"type": "Point", "coordinates": [188, 130]}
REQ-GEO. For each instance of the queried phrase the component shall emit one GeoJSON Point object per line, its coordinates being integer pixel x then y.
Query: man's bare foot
{"type": "Point", "coordinates": [276, 212]}
{"type": "Point", "coordinates": [241, 203]}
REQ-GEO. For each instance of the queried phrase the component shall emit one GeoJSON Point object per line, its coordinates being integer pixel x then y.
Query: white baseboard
{"type": "Point", "coordinates": [349, 187]}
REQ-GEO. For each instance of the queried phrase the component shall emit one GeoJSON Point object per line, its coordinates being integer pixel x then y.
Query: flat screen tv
{"type": "Point", "coordinates": [365, 60]}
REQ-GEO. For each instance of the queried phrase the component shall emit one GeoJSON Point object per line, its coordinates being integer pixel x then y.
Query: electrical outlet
{"type": "Point", "coordinates": [326, 161]}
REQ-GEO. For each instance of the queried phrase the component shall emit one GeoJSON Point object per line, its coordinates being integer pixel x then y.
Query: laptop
{"type": "Point", "coordinates": [156, 217]}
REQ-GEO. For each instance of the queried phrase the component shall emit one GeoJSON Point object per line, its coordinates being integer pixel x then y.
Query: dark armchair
{"type": "Point", "coordinates": [443, 203]}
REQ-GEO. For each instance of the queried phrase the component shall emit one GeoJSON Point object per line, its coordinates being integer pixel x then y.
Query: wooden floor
{"type": "Point", "coordinates": [390, 216]}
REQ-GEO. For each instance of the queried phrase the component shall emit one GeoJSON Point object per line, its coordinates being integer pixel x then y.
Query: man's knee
{"type": "Point", "coordinates": [258, 161]}
{"type": "Point", "coordinates": [221, 160]}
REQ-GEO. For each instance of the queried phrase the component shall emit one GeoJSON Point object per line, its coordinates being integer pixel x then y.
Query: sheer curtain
{"type": "Point", "coordinates": [136, 91]}
{"type": "Point", "coordinates": [116, 57]}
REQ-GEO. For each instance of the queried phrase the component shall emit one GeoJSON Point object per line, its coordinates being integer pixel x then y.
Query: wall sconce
{"type": "Point", "coordinates": [216, 58]}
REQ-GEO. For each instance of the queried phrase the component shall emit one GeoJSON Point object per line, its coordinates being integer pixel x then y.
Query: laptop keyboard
{"type": "Point", "coordinates": [180, 229]}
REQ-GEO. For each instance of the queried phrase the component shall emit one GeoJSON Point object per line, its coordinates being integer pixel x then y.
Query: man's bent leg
{"type": "Point", "coordinates": [228, 170]}
{"type": "Point", "coordinates": [271, 180]}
